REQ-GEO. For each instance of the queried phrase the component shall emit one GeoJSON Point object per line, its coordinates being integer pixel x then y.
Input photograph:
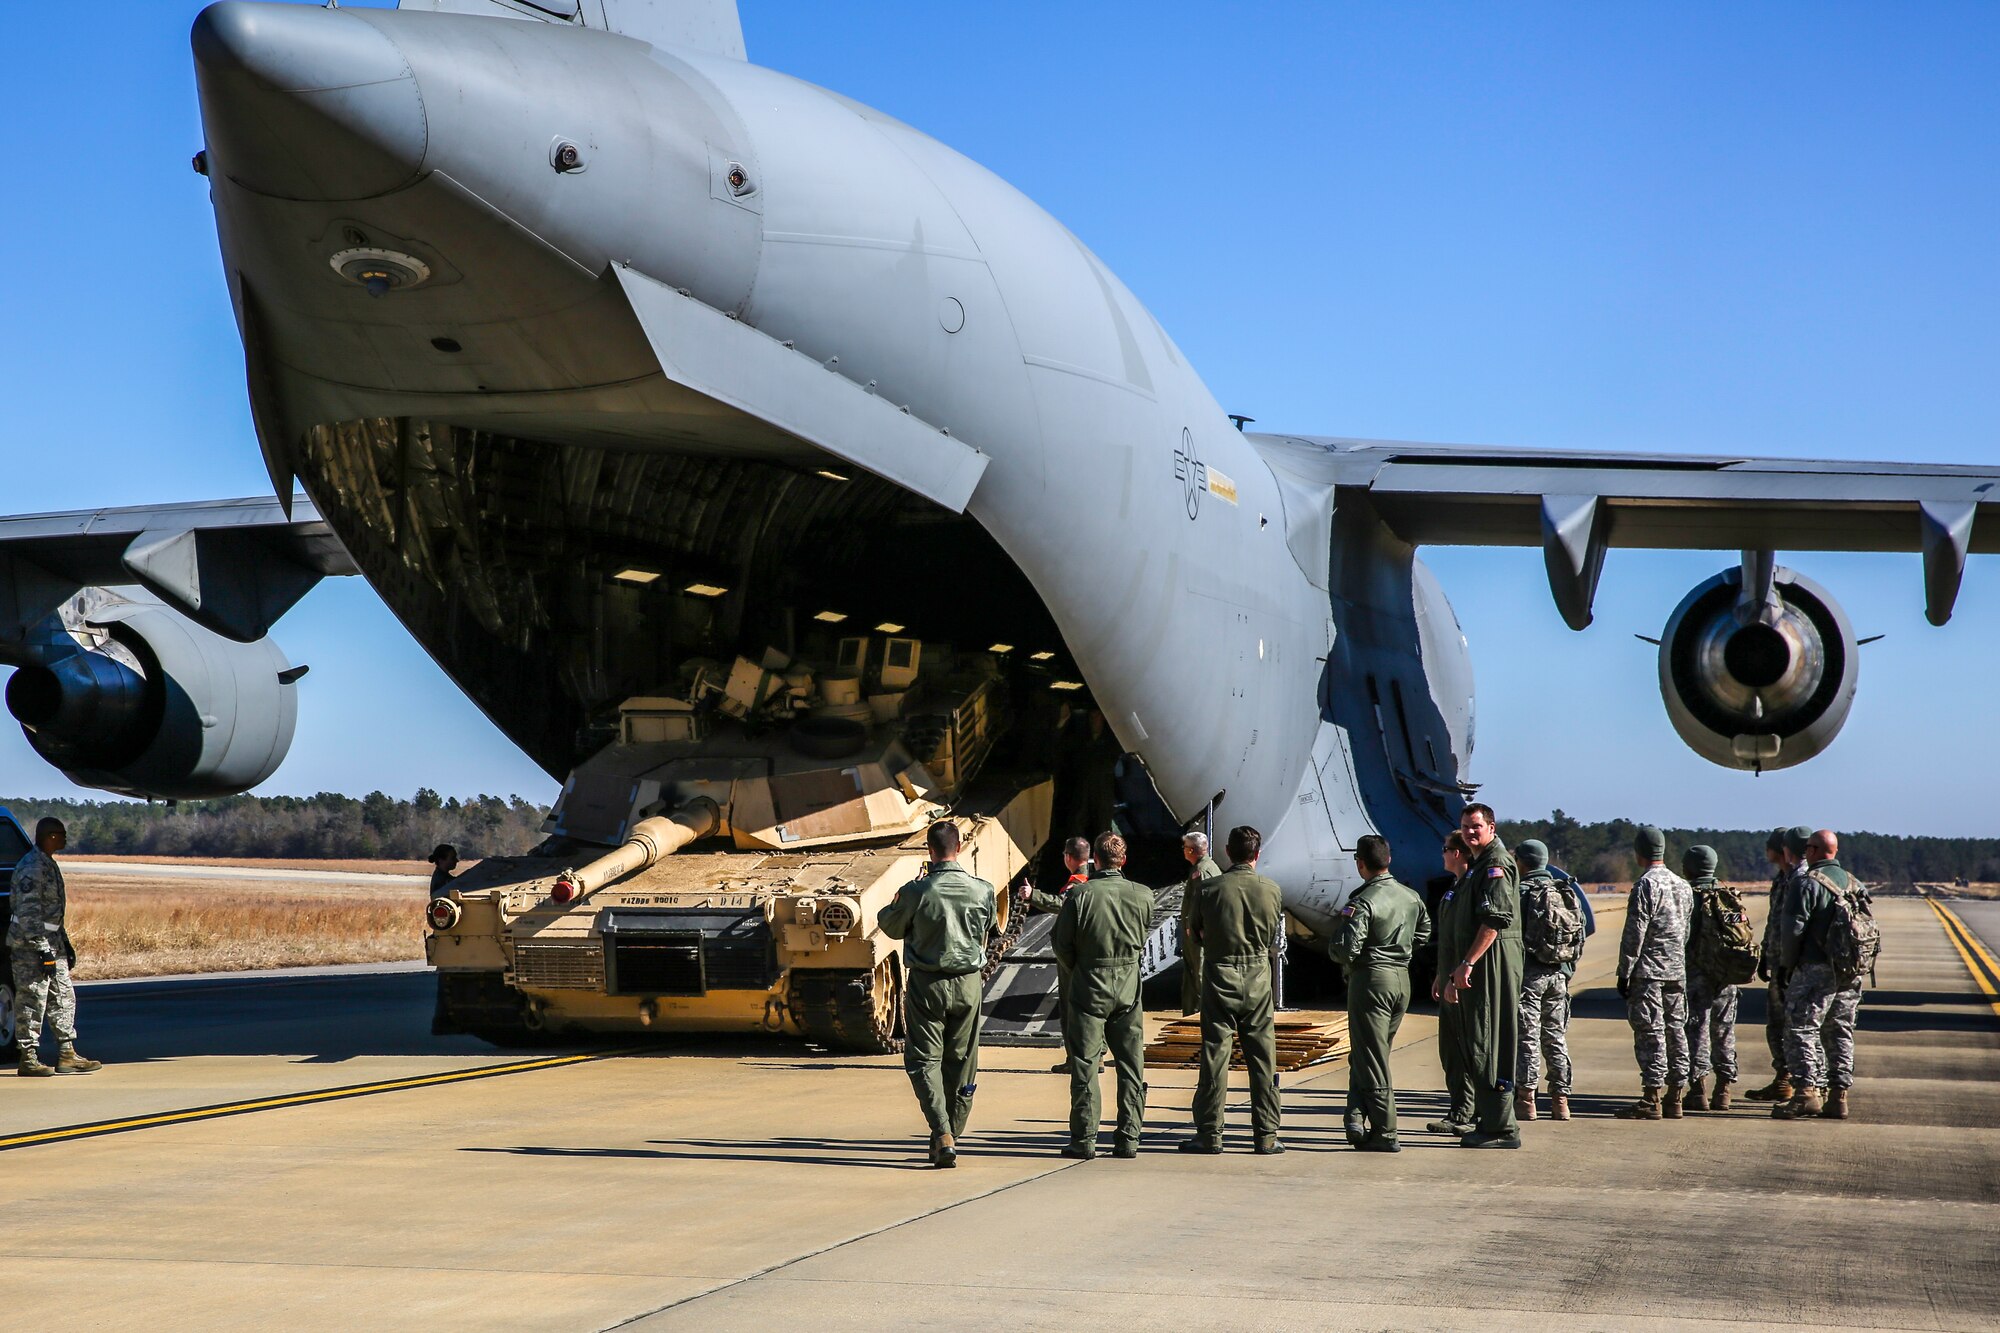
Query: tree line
{"type": "Point", "coordinates": [1601, 853]}
{"type": "Point", "coordinates": [329, 825]}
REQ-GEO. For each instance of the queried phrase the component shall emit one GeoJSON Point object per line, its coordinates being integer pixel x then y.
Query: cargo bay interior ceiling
{"type": "Point", "coordinates": [503, 556]}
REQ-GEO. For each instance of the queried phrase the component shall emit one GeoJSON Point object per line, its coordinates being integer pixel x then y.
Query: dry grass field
{"type": "Point", "coordinates": [356, 867]}
{"type": "Point", "coordinates": [131, 926]}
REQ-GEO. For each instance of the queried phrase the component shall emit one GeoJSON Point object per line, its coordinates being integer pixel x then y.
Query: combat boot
{"type": "Point", "coordinates": [1356, 1126]}
{"type": "Point", "coordinates": [1270, 1147]}
{"type": "Point", "coordinates": [1836, 1105]}
{"type": "Point", "coordinates": [944, 1150]}
{"type": "Point", "coordinates": [1697, 1095]}
{"type": "Point", "coordinates": [1719, 1099]}
{"type": "Point", "coordinates": [1646, 1108]}
{"type": "Point", "coordinates": [1805, 1103]}
{"type": "Point", "coordinates": [1671, 1104]}
{"type": "Point", "coordinates": [1524, 1106]}
{"type": "Point", "coordinates": [32, 1066]}
{"type": "Point", "coordinates": [1558, 1106]}
{"type": "Point", "coordinates": [1451, 1127]}
{"type": "Point", "coordinates": [69, 1062]}
{"type": "Point", "coordinates": [1779, 1089]}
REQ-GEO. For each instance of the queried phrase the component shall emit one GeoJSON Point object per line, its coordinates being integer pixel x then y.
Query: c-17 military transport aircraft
{"type": "Point", "coordinates": [610, 359]}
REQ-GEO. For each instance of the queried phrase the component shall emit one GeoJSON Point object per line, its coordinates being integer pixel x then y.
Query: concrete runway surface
{"type": "Point", "coordinates": [300, 1152]}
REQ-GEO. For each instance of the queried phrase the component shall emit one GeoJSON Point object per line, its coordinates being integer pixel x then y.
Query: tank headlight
{"type": "Point", "coordinates": [838, 917]}
{"type": "Point", "coordinates": [804, 910]}
{"type": "Point", "coordinates": [443, 914]}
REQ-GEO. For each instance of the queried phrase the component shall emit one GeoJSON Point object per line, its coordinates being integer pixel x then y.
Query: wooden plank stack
{"type": "Point", "coordinates": [1303, 1039]}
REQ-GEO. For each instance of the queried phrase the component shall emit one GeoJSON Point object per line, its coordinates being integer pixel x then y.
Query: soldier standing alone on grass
{"type": "Point", "coordinates": [39, 949]}
{"type": "Point", "coordinates": [1381, 926]}
{"type": "Point", "coordinates": [1237, 921]}
{"type": "Point", "coordinates": [1099, 936]}
{"type": "Point", "coordinates": [944, 918]}
{"type": "Point", "coordinates": [1652, 979]}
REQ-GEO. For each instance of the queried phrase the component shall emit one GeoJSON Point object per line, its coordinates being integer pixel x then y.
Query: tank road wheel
{"type": "Point", "coordinates": [845, 1010]}
{"type": "Point", "coordinates": [885, 1018]}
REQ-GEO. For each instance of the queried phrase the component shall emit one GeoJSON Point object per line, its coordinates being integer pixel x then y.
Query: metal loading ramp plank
{"type": "Point", "coordinates": [1020, 1007]}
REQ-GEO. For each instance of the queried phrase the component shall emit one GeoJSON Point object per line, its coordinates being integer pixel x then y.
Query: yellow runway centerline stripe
{"type": "Point", "coordinates": [1968, 945]}
{"type": "Point", "coordinates": [196, 1113]}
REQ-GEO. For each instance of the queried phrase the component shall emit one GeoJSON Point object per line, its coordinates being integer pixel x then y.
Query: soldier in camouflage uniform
{"type": "Point", "coordinates": [1786, 849]}
{"type": "Point", "coordinates": [1381, 926]}
{"type": "Point", "coordinates": [944, 918]}
{"type": "Point", "coordinates": [1821, 1006]}
{"type": "Point", "coordinates": [1711, 1025]}
{"type": "Point", "coordinates": [39, 950]}
{"type": "Point", "coordinates": [1544, 1003]}
{"type": "Point", "coordinates": [1652, 978]}
{"type": "Point", "coordinates": [1098, 939]}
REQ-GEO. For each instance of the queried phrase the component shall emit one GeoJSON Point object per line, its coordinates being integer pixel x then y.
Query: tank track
{"type": "Point", "coordinates": [836, 1008]}
{"type": "Point", "coordinates": [998, 947]}
{"type": "Point", "coordinates": [482, 1005]}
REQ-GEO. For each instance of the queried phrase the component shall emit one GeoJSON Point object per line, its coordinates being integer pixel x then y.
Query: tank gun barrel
{"type": "Point", "coordinates": [650, 840]}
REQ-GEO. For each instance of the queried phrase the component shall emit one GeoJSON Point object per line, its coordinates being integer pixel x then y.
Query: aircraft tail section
{"type": "Point", "coordinates": [701, 25]}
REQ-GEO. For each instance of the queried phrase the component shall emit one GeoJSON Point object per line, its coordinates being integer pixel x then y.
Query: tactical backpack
{"type": "Point", "coordinates": [1852, 939]}
{"type": "Point", "coordinates": [1724, 948]}
{"type": "Point", "coordinates": [1551, 922]}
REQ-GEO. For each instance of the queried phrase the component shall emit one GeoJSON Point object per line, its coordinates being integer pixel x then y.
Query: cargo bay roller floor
{"type": "Point", "coordinates": [297, 1152]}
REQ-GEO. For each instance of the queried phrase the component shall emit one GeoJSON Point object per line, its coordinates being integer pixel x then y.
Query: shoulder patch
{"type": "Point", "coordinates": [1347, 911]}
{"type": "Point", "coordinates": [1497, 872]}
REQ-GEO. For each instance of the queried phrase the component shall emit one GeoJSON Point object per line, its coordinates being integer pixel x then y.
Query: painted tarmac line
{"type": "Point", "coordinates": [190, 1115]}
{"type": "Point", "coordinates": [1968, 947]}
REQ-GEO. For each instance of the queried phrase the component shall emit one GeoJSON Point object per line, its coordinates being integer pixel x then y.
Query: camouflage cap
{"type": "Point", "coordinates": [1699, 862]}
{"type": "Point", "coordinates": [1797, 839]}
{"type": "Point", "coordinates": [1649, 843]}
{"type": "Point", "coordinates": [1532, 855]}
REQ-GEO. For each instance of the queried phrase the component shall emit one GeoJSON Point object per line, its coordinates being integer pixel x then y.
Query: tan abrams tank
{"type": "Point", "coordinates": [724, 940]}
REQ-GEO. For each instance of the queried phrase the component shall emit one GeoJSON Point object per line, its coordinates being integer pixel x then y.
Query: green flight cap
{"type": "Point", "coordinates": [1699, 863]}
{"type": "Point", "coordinates": [1532, 855]}
{"type": "Point", "coordinates": [1797, 839]}
{"type": "Point", "coordinates": [1650, 844]}
{"type": "Point", "coordinates": [1776, 842]}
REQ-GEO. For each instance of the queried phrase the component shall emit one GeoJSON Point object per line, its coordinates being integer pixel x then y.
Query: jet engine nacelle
{"type": "Point", "coordinates": [163, 709]}
{"type": "Point", "coordinates": [1761, 679]}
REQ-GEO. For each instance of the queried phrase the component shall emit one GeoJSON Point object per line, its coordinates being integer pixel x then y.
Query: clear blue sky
{"type": "Point", "coordinates": [1713, 228]}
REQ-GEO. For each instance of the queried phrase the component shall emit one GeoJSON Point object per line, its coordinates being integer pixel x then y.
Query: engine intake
{"type": "Point", "coordinates": [168, 711]}
{"type": "Point", "coordinates": [1762, 680]}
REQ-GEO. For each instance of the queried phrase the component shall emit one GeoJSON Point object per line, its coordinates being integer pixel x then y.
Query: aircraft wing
{"type": "Point", "coordinates": [234, 566]}
{"type": "Point", "coordinates": [1576, 505]}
